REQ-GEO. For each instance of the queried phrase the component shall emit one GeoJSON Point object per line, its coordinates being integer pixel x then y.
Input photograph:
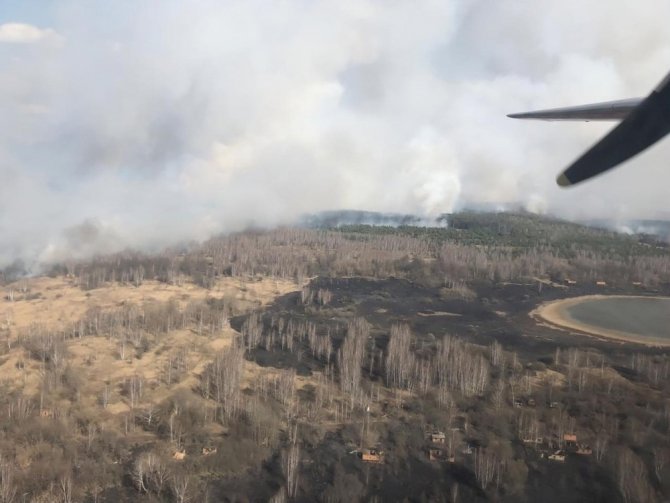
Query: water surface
{"type": "Point", "coordinates": [644, 317]}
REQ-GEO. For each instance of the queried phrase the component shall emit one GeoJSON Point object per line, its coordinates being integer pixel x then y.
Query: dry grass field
{"type": "Point", "coordinates": [57, 301]}
{"type": "Point", "coordinates": [99, 365]}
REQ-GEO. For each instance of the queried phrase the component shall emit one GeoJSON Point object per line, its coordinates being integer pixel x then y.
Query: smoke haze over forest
{"type": "Point", "coordinates": [141, 123]}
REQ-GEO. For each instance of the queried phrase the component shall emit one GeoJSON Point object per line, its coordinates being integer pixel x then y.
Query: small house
{"type": "Point", "coordinates": [371, 456]}
{"type": "Point", "coordinates": [206, 451]}
{"type": "Point", "coordinates": [557, 456]}
{"type": "Point", "coordinates": [437, 437]}
{"type": "Point", "coordinates": [570, 438]}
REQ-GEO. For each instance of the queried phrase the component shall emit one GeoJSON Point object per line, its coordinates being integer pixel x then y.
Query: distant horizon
{"type": "Point", "coordinates": [337, 218]}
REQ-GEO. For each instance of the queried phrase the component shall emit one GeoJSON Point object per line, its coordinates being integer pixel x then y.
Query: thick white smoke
{"type": "Point", "coordinates": [144, 123]}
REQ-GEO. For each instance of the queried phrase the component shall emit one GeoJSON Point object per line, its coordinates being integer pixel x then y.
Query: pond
{"type": "Point", "coordinates": [646, 317]}
{"type": "Point", "coordinates": [632, 318]}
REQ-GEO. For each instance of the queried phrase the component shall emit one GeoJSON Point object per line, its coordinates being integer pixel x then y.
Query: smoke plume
{"type": "Point", "coordinates": [144, 123]}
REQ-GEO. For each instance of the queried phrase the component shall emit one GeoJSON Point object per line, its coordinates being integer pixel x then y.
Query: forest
{"type": "Point", "coordinates": [344, 362]}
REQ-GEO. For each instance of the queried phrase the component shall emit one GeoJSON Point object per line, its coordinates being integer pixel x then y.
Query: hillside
{"type": "Point", "coordinates": [348, 363]}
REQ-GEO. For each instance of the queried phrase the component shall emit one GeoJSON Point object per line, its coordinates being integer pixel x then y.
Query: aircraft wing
{"type": "Point", "coordinates": [644, 126]}
{"type": "Point", "coordinates": [643, 123]}
{"type": "Point", "coordinates": [607, 111]}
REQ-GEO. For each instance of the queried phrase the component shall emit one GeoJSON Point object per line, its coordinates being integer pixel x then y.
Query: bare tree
{"type": "Point", "coordinates": [351, 355]}
{"type": "Point", "coordinates": [454, 492]}
{"type": "Point", "coordinates": [7, 481]}
{"type": "Point", "coordinates": [324, 296]}
{"type": "Point", "coordinates": [221, 380]}
{"type": "Point", "coordinates": [488, 467]}
{"type": "Point", "coordinates": [528, 426]}
{"type": "Point", "coordinates": [182, 487]}
{"type": "Point", "coordinates": [498, 394]}
{"type": "Point", "coordinates": [632, 478]}
{"type": "Point", "coordinates": [65, 486]}
{"type": "Point", "coordinates": [400, 360]}
{"type": "Point", "coordinates": [265, 424]}
{"type": "Point", "coordinates": [106, 395]}
{"type": "Point", "coordinates": [461, 367]}
{"type": "Point", "coordinates": [284, 386]}
{"type": "Point", "coordinates": [600, 447]}
{"type": "Point", "coordinates": [20, 408]}
{"type": "Point", "coordinates": [252, 330]}
{"type": "Point", "coordinates": [306, 295]}
{"type": "Point", "coordinates": [134, 389]}
{"type": "Point", "coordinates": [497, 355]}
{"type": "Point", "coordinates": [149, 473]}
{"type": "Point", "coordinates": [290, 463]}
{"type": "Point", "coordinates": [139, 473]}
{"type": "Point", "coordinates": [661, 458]}
{"type": "Point", "coordinates": [279, 496]}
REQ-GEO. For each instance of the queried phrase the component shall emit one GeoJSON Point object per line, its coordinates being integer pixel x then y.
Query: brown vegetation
{"type": "Point", "coordinates": [223, 372]}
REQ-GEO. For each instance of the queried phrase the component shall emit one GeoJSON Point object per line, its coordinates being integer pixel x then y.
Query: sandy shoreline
{"type": "Point", "coordinates": [556, 314]}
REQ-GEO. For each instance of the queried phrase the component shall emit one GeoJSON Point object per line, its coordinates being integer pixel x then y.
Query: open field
{"type": "Point", "coordinates": [104, 365]}
{"type": "Point", "coordinates": [58, 301]}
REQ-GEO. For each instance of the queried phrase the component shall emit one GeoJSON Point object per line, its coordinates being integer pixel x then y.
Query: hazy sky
{"type": "Point", "coordinates": [140, 123]}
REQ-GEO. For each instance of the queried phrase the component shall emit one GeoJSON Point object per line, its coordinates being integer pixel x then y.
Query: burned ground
{"type": "Point", "coordinates": [223, 373]}
{"type": "Point", "coordinates": [500, 313]}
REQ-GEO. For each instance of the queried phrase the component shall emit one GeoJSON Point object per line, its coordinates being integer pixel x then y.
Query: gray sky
{"type": "Point", "coordinates": [141, 123]}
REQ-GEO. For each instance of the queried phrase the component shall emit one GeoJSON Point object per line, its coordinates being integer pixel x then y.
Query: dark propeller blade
{"type": "Point", "coordinates": [644, 126]}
